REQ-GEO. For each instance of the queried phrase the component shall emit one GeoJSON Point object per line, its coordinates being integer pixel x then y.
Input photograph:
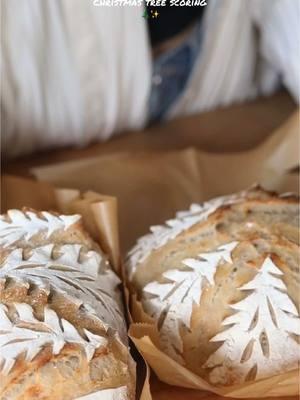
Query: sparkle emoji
{"type": "Point", "coordinates": [155, 14]}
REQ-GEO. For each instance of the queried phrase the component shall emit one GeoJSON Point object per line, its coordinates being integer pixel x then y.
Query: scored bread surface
{"type": "Point", "coordinates": [221, 283]}
{"type": "Point", "coordinates": [62, 331]}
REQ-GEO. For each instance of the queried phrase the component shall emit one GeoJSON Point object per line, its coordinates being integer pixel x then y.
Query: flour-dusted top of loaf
{"type": "Point", "coordinates": [107, 394]}
{"type": "Point", "coordinates": [62, 330]}
{"type": "Point", "coordinates": [172, 301]}
{"type": "Point", "coordinates": [262, 334]}
{"type": "Point", "coordinates": [81, 277]}
{"type": "Point", "coordinates": [223, 291]}
{"type": "Point", "coordinates": [25, 334]}
{"type": "Point", "coordinates": [160, 234]}
{"type": "Point", "coordinates": [17, 225]}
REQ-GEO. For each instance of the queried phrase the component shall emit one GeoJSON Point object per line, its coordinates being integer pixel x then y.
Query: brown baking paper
{"type": "Point", "coordinates": [150, 187]}
{"type": "Point", "coordinates": [145, 336]}
{"type": "Point", "coordinates": [99, 214]}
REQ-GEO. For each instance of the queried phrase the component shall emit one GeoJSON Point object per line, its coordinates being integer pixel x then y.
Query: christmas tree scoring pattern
{"type": "Point", "coordinates": [161, 234]}
{"type": "Point", "coordinates": [264, 327]}
{"type": "Point", "coordinates": [67, 274]}
{"type": "Point", "coordinates": [172, 303]}
{"type": "Point", "coordinates": [24, 225]}
{"type": "Point", "coordinates": [28, 335]}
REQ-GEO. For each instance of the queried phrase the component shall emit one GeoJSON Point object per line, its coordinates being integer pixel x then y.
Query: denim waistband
{"type": "Point", "coordinates": [171, 72]}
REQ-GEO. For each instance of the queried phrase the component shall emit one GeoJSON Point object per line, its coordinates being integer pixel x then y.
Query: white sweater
{"type": "Point", "coordinates": [73, 73]}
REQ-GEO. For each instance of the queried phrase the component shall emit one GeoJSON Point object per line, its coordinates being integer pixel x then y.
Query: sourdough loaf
{"type": "Point", "coordinates": [221, 284]}
{"type": "Point", "coordinates": [62, 331]}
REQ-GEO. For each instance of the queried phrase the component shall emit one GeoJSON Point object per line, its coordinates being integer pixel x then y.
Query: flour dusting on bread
{"type": "Point", "coordinates": [62, 330]}
{"type": "Point", "coordinates": [221, 284]}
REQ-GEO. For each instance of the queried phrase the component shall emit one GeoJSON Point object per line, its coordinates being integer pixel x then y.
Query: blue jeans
{"type": "Point", "coordinates": [171, 72]}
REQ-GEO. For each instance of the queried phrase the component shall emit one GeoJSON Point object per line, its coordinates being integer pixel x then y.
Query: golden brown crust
{"type": "Point", "coordinates": [264, 225]}
{"type": "Point", "coordinates": [65, 376]}
{"type": "Point", "coordinates": [74, 234]}
{"type": "Point", "coordinates": [146, 271]}
{"type": "Point", "coordinates": [68, 374]}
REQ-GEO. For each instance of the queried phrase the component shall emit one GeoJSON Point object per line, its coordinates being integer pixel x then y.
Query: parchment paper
{"type": "Point", "coordinates": [150, 187]}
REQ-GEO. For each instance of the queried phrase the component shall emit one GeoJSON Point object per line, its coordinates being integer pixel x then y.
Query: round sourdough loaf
{"type": "Point", "coordinates": [62, 331]}
{"type": "Point", "coordinates": [221, 282]}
